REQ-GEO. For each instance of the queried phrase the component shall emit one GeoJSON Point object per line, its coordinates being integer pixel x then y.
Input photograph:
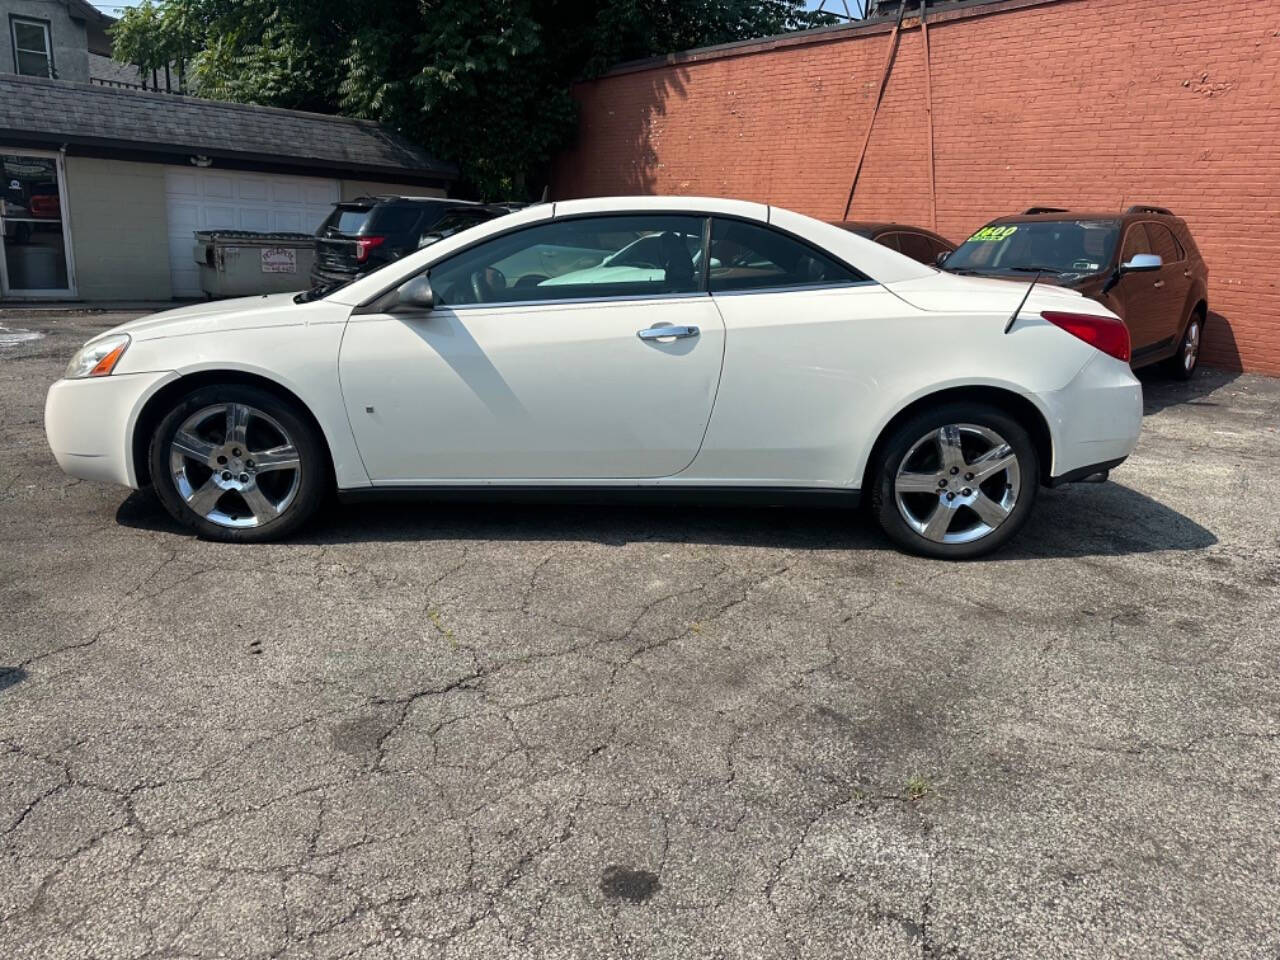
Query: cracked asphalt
{"type": "Point", "coordinates": [562, 731]}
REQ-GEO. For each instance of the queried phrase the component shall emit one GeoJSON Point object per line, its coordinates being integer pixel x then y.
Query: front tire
{"type": "Point", "coordinates": [1182, 365]}
{"type": "Point", "coordinates": [955, 482]}
{"type": "Point", "coordinates": [239, 464]}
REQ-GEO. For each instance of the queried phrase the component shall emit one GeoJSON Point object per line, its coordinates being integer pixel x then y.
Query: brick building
{"type": "Point", "coordinates": [1078, 103]}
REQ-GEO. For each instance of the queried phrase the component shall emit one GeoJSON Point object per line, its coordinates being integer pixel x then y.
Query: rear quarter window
{"type": "Point", "coordinates": [390, 220]}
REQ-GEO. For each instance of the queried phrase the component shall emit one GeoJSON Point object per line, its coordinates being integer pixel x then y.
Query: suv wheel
{"type": "Point", "coordinates": [1182, 364]}
{"type": "Point", "coordinates": [239, 464]}
{"type": "Point", "coordinates": [956, 482]}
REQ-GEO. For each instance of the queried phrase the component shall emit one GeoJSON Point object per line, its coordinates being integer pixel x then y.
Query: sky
{"type": "Point", "coordinates": [838, 6]}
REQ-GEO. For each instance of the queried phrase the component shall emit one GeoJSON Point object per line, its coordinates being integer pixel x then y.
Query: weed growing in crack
{"type": "Point", "coordinates": [438, 622]}
{"type": "Point", "coordinates": [917, 787]}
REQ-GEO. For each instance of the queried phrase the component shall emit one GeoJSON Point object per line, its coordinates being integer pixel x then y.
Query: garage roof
{"type": "Point", "coordinates": [34, 109]}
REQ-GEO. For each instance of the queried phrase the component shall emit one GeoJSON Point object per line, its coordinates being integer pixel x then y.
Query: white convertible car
{"type": "Point", "coordinates": [657, 345]}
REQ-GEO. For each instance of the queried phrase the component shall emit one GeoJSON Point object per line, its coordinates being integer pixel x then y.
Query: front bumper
{"type": "Point", "coordinates": [89, 424]}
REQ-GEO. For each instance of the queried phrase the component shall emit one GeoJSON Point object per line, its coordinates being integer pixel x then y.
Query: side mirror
{"type": "Point", "coordinates": [1142, 263]}
{"type": "Point", "coordinates": [941, 258]}
{"type": "Point", "coordinates": [415, 295]}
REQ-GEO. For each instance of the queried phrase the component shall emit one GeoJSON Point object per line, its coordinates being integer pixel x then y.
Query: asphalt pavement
{"type": "Point", "coordinates": [586, 731]}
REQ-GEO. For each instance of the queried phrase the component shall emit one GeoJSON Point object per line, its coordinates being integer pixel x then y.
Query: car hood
{"type": "Point", "coordinates": [218, 315]}
{"type": "Point", "coordinates": [953, 292]}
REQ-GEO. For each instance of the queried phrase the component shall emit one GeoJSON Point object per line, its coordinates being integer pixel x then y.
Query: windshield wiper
{"type": "Point", "coordinates": [315, 293]}
{"type": "Point", "coordinates": [1035, 270]}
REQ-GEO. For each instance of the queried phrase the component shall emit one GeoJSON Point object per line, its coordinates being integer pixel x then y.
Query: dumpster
{"type": "Point", "coordinates": [240, 263]}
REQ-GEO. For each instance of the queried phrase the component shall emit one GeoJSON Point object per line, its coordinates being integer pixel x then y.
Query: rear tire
{"type": "Point", "coordinates": [955, 482]}
{"type": "Point", "coordinates": [1182, 365]}
{"type": "Point", "coordinates": [239, 464]}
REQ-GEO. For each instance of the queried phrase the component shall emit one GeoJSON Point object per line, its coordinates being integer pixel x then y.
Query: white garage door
{"type": "Point", "coordinates": [233, 200]}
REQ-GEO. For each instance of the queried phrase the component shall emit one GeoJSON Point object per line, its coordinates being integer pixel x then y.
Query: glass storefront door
{"type": "Point", "coordinates": [35, 259]}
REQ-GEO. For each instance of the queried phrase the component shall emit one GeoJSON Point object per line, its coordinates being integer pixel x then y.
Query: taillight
{"type": "Point", "coordinates": [1106, 333]}
{"type": "Point", "coordinates": [364, 245]}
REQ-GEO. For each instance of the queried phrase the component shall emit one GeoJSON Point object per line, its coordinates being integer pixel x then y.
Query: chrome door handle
{"type": "Point", "coordinates": [1159, 284]}
{"type": "Point", "coordinates": [667, 333]}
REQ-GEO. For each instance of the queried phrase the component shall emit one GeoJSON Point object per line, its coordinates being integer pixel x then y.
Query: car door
{"type": "Point", "coordinates": [529, 369]}
{"type": "Point", "coordinates": [1138, 294]}
{"type": "Point", "coordinates": [787, 410]}
{"type": "Point", "coordinates": [1172, 283]}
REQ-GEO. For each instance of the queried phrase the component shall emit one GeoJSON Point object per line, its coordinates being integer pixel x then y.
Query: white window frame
{"type": "Point", "coordinates": [48, 43]}
{"type": "Point", "coordinates": [70, 291]}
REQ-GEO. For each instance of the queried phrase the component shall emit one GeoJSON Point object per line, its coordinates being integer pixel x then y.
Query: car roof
{"type": "Point", "coordinates": [1070, 216]}
{"type": "Point", "coordinates": [1067, 217]}
{"type": "Point", "coordinates": [877, 262]}
{"type": "Point", "coordinates": [745, 209]}
{"type": "Point", "coordinates": [399, 198]}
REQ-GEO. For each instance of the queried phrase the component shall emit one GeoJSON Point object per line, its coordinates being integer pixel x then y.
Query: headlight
{"type": "Point", "coordinates": [98, 358]}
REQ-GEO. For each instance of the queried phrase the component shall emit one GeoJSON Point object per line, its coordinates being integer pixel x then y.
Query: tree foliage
{"type": "Point", "coordinates": [484, 83]}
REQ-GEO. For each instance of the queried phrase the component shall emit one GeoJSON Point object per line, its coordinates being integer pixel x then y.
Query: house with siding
{"type": "Point", "coordinates": [103, 184]}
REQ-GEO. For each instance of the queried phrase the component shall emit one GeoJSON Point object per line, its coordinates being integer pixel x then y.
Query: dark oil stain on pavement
{"type": "Point", "coordinates": [623, 883]}
{"type": "Point", "coordinates": [358, 736]}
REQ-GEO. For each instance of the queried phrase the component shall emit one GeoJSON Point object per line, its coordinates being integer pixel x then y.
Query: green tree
{"type": "Point", "coordinates": [484, 83]}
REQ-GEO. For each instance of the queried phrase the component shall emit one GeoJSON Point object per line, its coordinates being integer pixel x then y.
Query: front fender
{"type": "Point", "coordinates": [304, 362]}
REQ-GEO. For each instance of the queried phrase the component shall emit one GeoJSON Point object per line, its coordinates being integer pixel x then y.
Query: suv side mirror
{"type": "Point", "coordinates": [1142, 263]}
{"type": "Point", "coordinates": [415, 295]}
{"type": "Point", "coordinates": [941, 258]}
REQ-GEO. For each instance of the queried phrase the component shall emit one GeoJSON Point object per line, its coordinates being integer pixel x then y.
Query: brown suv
{"type": "Point", "coordinates": [1143, 264]}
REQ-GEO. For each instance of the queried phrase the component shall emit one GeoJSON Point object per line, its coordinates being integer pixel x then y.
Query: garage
{"type": "Point", "coordinates": [197, 199]}
{"type": "Point", "coordinates": [104, 187]}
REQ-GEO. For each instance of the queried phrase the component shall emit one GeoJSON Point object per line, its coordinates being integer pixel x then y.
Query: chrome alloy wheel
{"type": "Point", "coordinates": [958, 483]}
{"type": "Point", "coordinates": [1191, 345]}
{"type": "Point", "coordinates": [235, 465]}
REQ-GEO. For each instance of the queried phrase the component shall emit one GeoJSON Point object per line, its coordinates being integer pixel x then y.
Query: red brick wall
{"type": "Point", "coordinates": [1080, 103]}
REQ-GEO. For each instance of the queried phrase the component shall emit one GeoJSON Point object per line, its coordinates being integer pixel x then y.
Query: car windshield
{"type": "Point", "coordinates": [1059, 246]}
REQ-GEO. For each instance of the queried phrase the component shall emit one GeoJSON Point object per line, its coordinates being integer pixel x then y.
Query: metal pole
{"type": "Point", "coordinates": [884, 82]}
{"type": "Point", "coordinates": [928, 110]}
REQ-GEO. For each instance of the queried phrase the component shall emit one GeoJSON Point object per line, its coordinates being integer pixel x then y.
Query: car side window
{"type": "Point", "coordinates": [1164, 243]}
{"type": "Point", "coordinates": [1135, 242]}
{"type": "Point", "coordinates": [916, 246]}
{"type": "Point", "coordinates": [889, 240]}
{"type": "Point", "coordinates": [751, 256]}
{"type": "Point", "coordinates": [584, 258]}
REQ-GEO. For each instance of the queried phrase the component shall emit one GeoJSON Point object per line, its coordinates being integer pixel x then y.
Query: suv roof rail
{"type": "Point", "coordinates": [1031, 211]}
{"type": "Point", "coordinates": [1149, 208]}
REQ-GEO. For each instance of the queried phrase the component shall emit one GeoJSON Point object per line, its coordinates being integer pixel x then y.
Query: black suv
{"type": "Point", "coordinates": [1142, 264]}
{"type": "Point", "coordinates": [361, 235]}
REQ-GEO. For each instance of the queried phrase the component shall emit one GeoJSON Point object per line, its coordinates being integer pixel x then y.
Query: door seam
{"type": "Point", "coordinates": [724, 348]}
{"type": "Point", "coordinates": [346, 407]}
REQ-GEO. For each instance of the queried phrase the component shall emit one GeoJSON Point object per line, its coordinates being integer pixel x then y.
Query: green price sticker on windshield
{"type": "Point", "coordinates": [992, 234]}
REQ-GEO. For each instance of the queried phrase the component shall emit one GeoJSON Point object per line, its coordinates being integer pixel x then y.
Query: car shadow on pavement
{"type": "Point", "coordinates": [1085, 520]}
{"type": "Point", "coordinates": [11, 677]}
{"type": "Point", "coordinates": [1159, 390]}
